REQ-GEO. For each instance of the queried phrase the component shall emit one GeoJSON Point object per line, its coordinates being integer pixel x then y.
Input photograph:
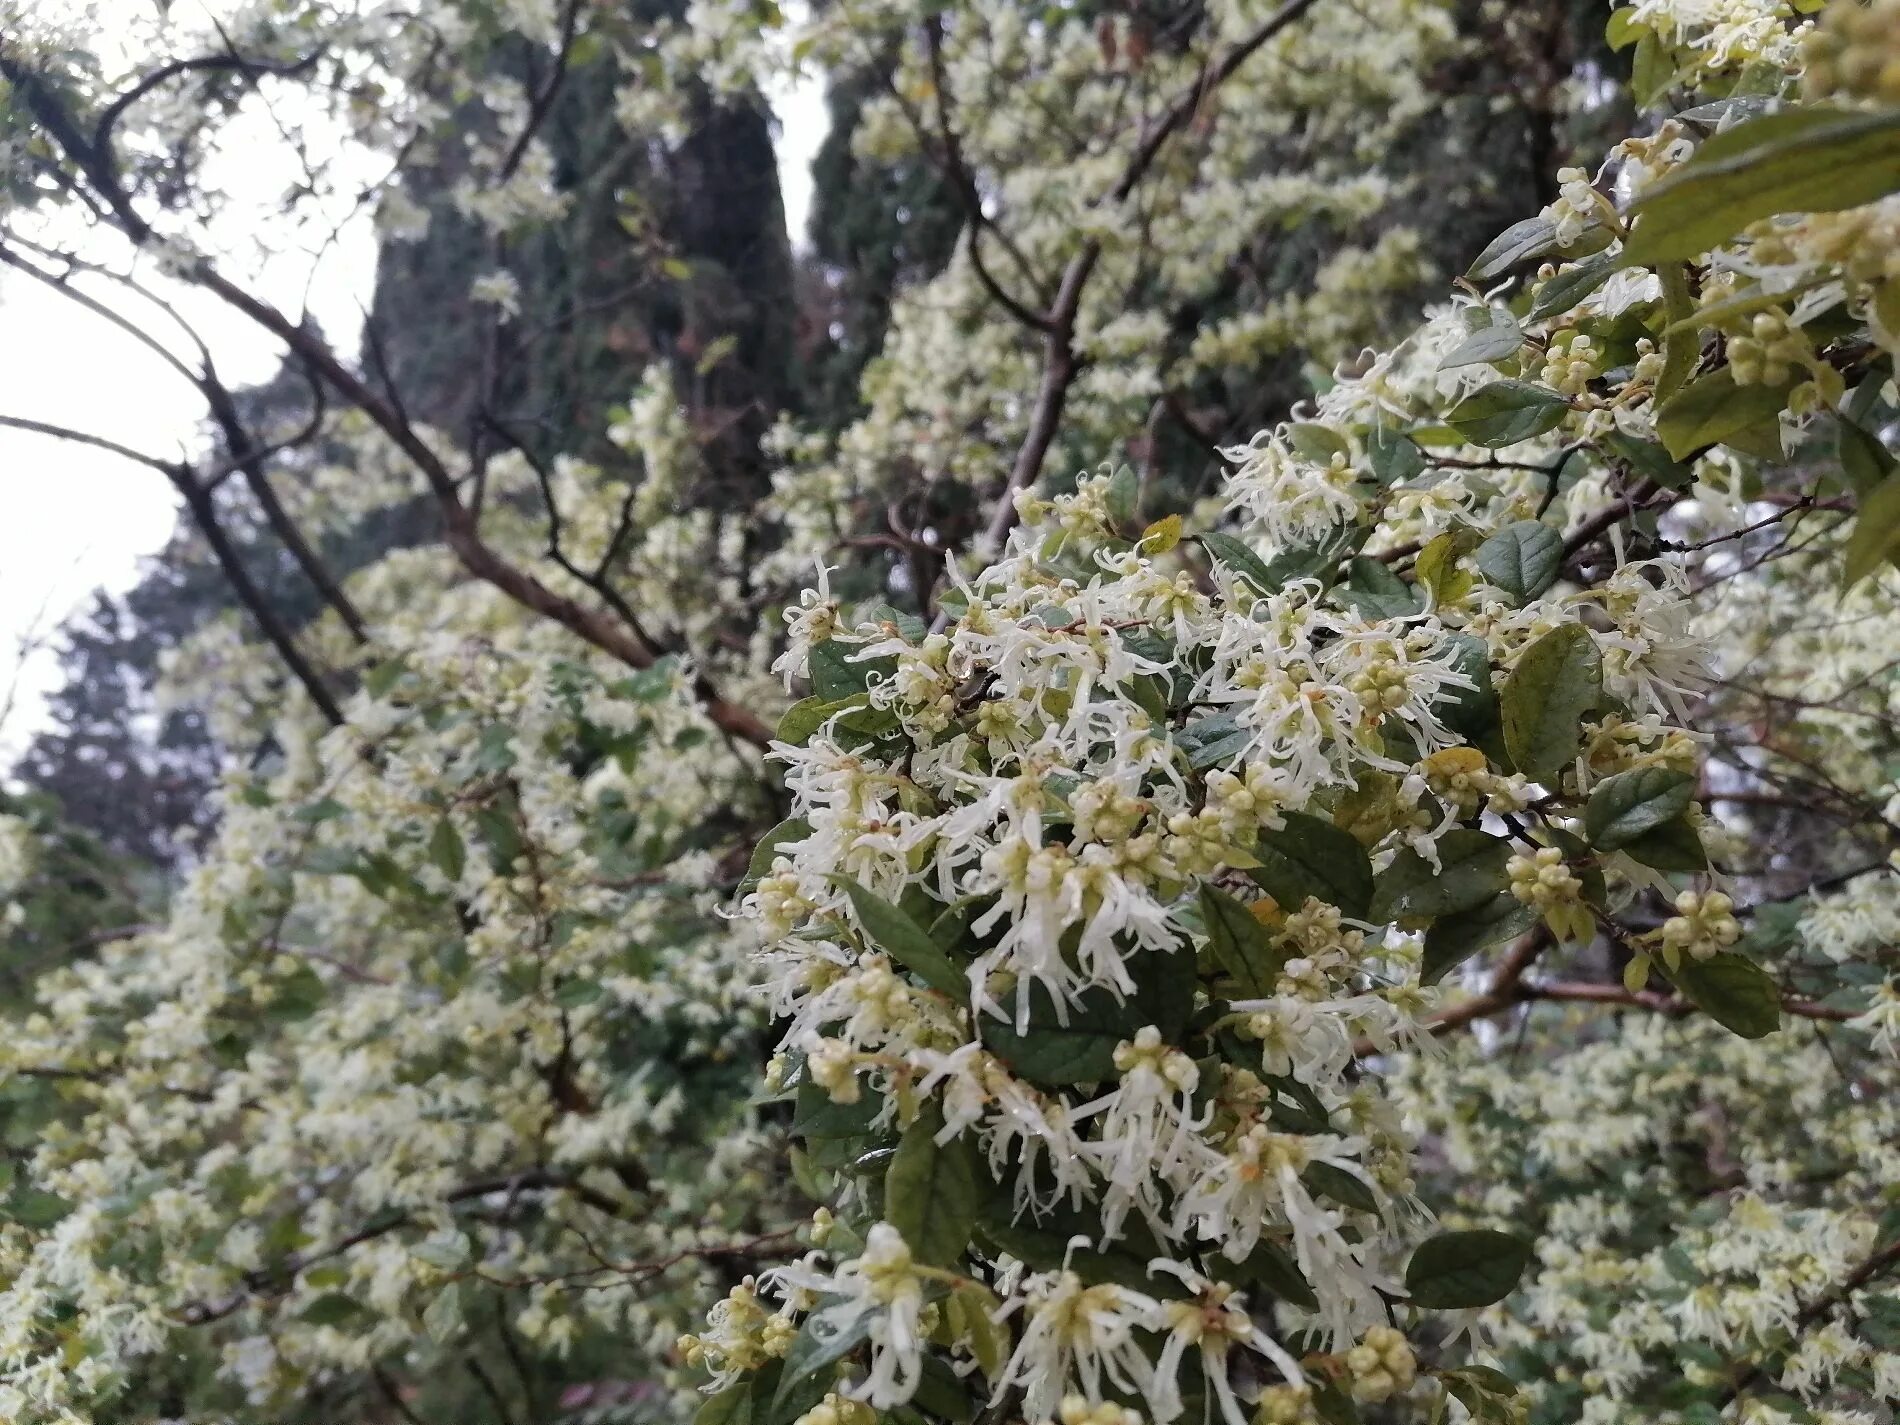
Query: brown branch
{"type": "Point", "coordinates": [543, 101]}
{"type": "Point", "coordinates": [198, 504]}
{"type": "Point", "coordinates": [1060, 363]}
{"type": "Point", "coordinates": [1880, 1263]}
{"type": "Point", "coordinates": [592, 626]}
{"type": "Point", "coordinates": [957, 170]}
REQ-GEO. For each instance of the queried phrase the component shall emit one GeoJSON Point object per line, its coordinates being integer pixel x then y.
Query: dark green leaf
{"type": "Point", "coordinates": [942, 1394]}
{"type": "Point", "coordinates": [1522, 241]}
{"type": "Point", "coordinates": [1522, 559]}
{"type": "Point", "coordinates": [1233, 555]}
{"type": "Point", "coordinates": [332, 1309]}
{"type": "Point", "coordinates": [932, 1191]}
{"type": "Point", "coordinates": [904, 940]}
{"type": "Point", "coordinates": [1473, 711]}
{"type": "Point", "coordinates": [1462, 1269]}
{"type": "Point", "coordinates": [1374, 592]}
{"type": "Point", "coordinates": [1558, 680]}
{"type": "Point", "coordinates": [1649, 460]}
{"type": "Point", "coordinates": [732, 1406]}
{"type": "Point", "coordinates": [1455, 938]}
{"type": "Point", "coordinates": [1876, 535]}
{"type": "Point", "coordinates": [837, 672]}
{"type": "Point", "coordinates": [1240, 942]}
{"type": "Point", "coordinates": [1124, 491]}
{"type": "Point", "coordinates": [1506, 412]}
{"type": "Point", "coordinates": [446, 850]}
{"type": "Point", "coordinates": [1341, 1186]}
{"type": "Point", "coordinates": [807, 715]}
{"type": "Point", "coordinates": [1497, 341]}
{"type": "Point", "coordinates": [1796, 161]}
{"type": "Point", "coordinates": [814, 1115]}
{"type": "Point", "coordinates": [1394, 456]}
{"type": "Point", "coordinates": [1310, 857]}
{"type": "Point", "coordinates": [1733, 991]}
{"type": "Point", "coordinates": [1273, 1267]}
{"type": "Point", "coordinates": [1078, 1046]}
{"type": "Point", "coordinates": [1572, 285]}
{"type": "Point", "coordinates": [1627, 805]}
{"type": "Point", "coordinates": [1210, 741]}
{"type": "Point", "coordinates": [812, 1350]}
{"type": "Point", "coordinates": [1673, 846]}
{"type": "Point", "coordinates": [792, 829]}
{"type": "Point", "coordinates": [1713, 410]}
{"type": "Point", "coordinates": [1471, 871]}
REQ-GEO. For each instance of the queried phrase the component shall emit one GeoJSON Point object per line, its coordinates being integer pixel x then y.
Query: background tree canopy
{"type": "Point", "coordinates": [1228, 749]}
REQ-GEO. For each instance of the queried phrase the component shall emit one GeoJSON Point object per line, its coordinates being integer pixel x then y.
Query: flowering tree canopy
{"type": "Point", "coordinates": [1377, 902]}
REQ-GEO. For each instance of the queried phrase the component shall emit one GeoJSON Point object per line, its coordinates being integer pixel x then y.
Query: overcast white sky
{"type": "Point", "coordinates": [77, 519]}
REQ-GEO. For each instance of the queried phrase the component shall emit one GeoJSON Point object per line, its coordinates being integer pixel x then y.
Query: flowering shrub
{"type": "Point", "coordinates": [1537, 668]}
{"type": "Point", "coordinates": [1098, 890]}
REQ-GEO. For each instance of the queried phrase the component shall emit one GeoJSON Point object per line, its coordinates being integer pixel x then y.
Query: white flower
{"type": "Point", "coordinates": [497, 289]}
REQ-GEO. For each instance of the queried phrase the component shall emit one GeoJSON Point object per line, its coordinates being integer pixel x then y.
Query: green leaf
{"type": "Point", "coordinates": [1124, 491]}
{"type": "Point", "coordinates": [1078, 1046]}
{"type": "Point", "coordinates": [814, 1115]}
{"type": "Point", "coordinates": [1210, 741]}
{"type": "Point", "coordinates": [1316, 443]}
{"type": "Point", "coordinates": [1733, 991]}
{"type": "Point", "coordinates": [446, 850]}
{"type": "Point", "coordinates": [1047, 1249]}
{"type": "Point", "coordinates": [1557, 681]}
{"type": "Point", "coordinates": [1240, 942]}
{"type": "Point", "coordinates": [1231, 554]}
{"type": "Point", "coordinates": [1864, 460]}
{"type": "Point", "coordinates": [1625, 806]}
{"type": "Point", "coordinates": [1572, 285]}
{"type": "Point", "coordinates": [1310, 857]}
{"type": "Point", "coordinates": [794, 828]}
{"type": "Point", "coordinates": [970, 1312]}
{"type": "Point", "coordinates": [1713, 410]}
{"type": "Point", "coordinates": [807, 715]}
{"type": "Point", "coordinates": [1273, 1267]}
{"type": "Point", "coordinates": [1471, 871]}
{"type": "Point", "coordinates": [732, 1406]}
{"type": "Point", "coordinates": [1507, 412]}
{"type": "Point", "coordinates": [1876, 534]}
{"type": "Point", "coordinates": [1472, 712]}
{"type": "Point", "coordinates": [1531, 237]}
{"type": "Point", "coordinates": [1649, 460]}
{"type": "Point", "coordinates": [932, 1191]}
{"type": "Point", "coordinates": [1341, 1186]}
{"type": "Point", "coordinates": [574, 993]}
{"type": "Point", "coordinates": [333, 1309]}
{"type": "Point", "coordinates": [1437, 565]}
{"type": "Point", "coordinates": [1522, 559]}
{"type": "Point", "coordinates": [444, 1254]}
{"type": "Point", "coordinates": [1797, 161]}
{"type": "Point", "coordinates": [1462, 1269]}
{"type": "Point", "coordinates": [1455, 938]}
{"type": "Point", "coordinates": [442, 1317]}
{"type": "Point", "coordinates": [1393, 455]}
{"type": "Point", "coordinates": [1332, 1402]}
{"type": "Point", "coordinates": [36, 1208]}
{"type": "Point", "coordinates": [941, 1394]}
{"type": "Point", "coordinates": [1498, 341]}
{"type": "Point", "coordinates": [811, 1351]}
{"type": "Point", "coordinates": [904, 940]}
{"type": "Point", "coordinates": [837, 672]}
{"type": "Point", "coordinates": [1374, 592]}
{"type": "Point", "coordinates": [1673, 846]}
